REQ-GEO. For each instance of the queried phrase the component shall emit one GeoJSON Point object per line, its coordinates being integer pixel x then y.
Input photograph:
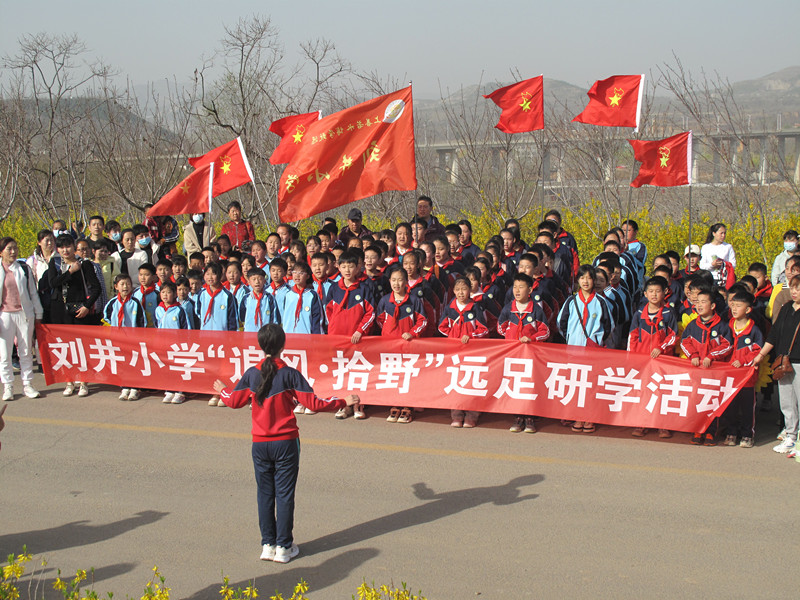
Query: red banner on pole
{"type": "Point", "coordinates": [549, 380]}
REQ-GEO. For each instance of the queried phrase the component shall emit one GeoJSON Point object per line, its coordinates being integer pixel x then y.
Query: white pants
{"type": "Point", "coordinates": [16, 325]}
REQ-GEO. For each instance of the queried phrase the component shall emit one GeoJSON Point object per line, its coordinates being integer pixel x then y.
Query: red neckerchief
{"type": "Point", "coordinates": [320, 286]}
{"type": "Point", "coordinates": [653, 323]}
{"type": "Point", "coordinates": [147, 290]}
{"type": "Point", "coordinates": [221, 258]}
{"type": "Point", "coordinates": [275, 287]}
{"type": "Point", "coordinates": [748, 328]}
{"type": "Point", "coordinates": [537, 279]}
{"type": "Point", "coordinates": [468, 306]}
{"type": "Point", "coordinates": [764, 292]}
{"type": "Point", "coordinates": [415, 283]}
{"type": "Point", "coordinates": [172, 278]}
{"type": "Point", "coordinates": [397, 305]}
{"type": "Point", "coordinates": [347, 290]}
{"type": "Point", "coordinates": [585, 315]}
{"type": "Point", "coordinates": [121, 313]}
{"type": "Point", "coordinates": [445, 265]}
{"type": "Point", "coordinates": [278, 363]}
{"type": "Point", "coordinates": [283, 249]}
{"type": "Point", "coordinates": [401, 251]}
{"type": "Point", "coordinates": [244, 281]}
{"type": "Point", "coordinates": [299, 291]}
{"type": "Point", "coordinates": [706, 327]}
{"type": "Point", "coordinates": [227, 286]}
{"type": "Point", "coordinates": [211, 295]}
{"type": "Point", "coordinates": [263, 266]}
{"type": "Point", "coordinates": [521, 314]}
{"type": "Point", "coordinates": [257, 316]}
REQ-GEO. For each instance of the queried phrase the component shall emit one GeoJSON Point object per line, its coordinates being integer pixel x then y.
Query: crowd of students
{"type": "Point", "coordinates": [423, 279]}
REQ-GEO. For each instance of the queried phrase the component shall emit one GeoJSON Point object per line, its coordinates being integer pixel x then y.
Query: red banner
{"type": "Point", "coordinates": [548, 380]}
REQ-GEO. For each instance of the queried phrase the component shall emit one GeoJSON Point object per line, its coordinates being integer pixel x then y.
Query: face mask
{"type": "Point", "coordinates": [116, 236]}
{"type": "Point", "coordinates": [58, 232]}
{"type": "Point", "coordinates": [197, 218]}
{"type": "Point", "coordinates": [790, 246]}
{"type": "Point", "coordinates": [144, 242]}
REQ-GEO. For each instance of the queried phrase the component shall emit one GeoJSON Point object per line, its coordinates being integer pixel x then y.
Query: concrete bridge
{"type": "Point", "coordinates": [718, 159]}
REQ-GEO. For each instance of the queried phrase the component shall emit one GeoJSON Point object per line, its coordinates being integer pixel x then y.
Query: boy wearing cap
{"type": "Point", "coordinates": [692, 257]}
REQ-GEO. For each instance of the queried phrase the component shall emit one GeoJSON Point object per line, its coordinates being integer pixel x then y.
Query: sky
{"type": "Point", "coordinates": [436, 45]}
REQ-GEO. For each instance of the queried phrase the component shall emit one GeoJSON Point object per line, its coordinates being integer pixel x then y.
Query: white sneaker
{"type": "Point", "coordinates": [308, 411]}
{"type": "Point", "coordinates": [123, 394]}
{"type": "Point", "coordinates": [786, 446]}
{"type": "Point", "coordinates": [178, 398]}
{"type": "Point", "coordinates": [284, 555]}
{"type": "Point", "coordinates": [133, 395]}
{"type": "Point", "coordinates": [83, 391]}
{"type": "Point", "coordinates": [168, 398]}
{"type": "Point", "coordinates": [299, 409]}
{"type": "Point", "coordinates": [29, 391]}
{"type": "Point", "coordinates": [8, 392]}
{"type": "Point", "coordinates": [69, 388]}
{"type": "Point", "coordinates": [782, 435]}
{"type": "Point", "coordinates": [268, 552]}
{"type": "Point", "coordinates": [213, 401]}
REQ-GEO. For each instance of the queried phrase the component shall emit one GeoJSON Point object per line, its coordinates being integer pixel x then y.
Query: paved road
{"type": "Point", "coordinates": [94, 482]}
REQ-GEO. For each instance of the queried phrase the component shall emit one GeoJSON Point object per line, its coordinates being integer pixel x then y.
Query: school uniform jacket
{"type": "Point", "coordinates": [396, 318]}
{"type": "Point", "coordinates": [171, 317]}
{"type": "Point", "coordinates": [349, 309]}
{"type": "Point", "coordinates": [148, 298]}
{"type": "Point", "coordinates": [457, 323]}
{"type": "Point", "coordinates": [124, 314]}
{"type": "Point", "coordinates": [593, 312]}
{"type": "Point", "coordinates": [301, 311]}
{"type": "Point", "coordinates": [650, 332]}
{"type": "Point", "coordinates": [514, 324]}
{"type": "Point", "coordinates": [255, 311]}
{"type": "Point", "coordinates": [430, 304]}
{"type": "Point", "coordinates": [277, 291]}
{"type": "Point", "coordinates": [747, 345]}
{"type": "Point", "coordinates": [274, 419]}
{"type": "Point", "coordinates": [216, 312]}
{"type": "Point", "coordinates": [188, 308]}
{"type": "Point", "coordinates": [239, 291]}
{"type": "Point", "coordinates": [712, 339]}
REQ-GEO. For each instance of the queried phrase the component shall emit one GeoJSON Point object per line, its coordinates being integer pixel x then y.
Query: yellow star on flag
{"type": "Point", "coordinates": [298, 134]}
{"type": "Point", "coordinates": [226, 164]}
{"type": "Point", "coordinates": [526, 105]}
{"type": "Point", "coordinates": [614, 100]}
{"type": "Point", "coordinates": [185, 187]}
{"type": "Point", "coordinates": [664, 160]}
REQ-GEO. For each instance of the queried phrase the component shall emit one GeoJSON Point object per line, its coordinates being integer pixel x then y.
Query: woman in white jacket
{"type": "Point", "coordinates": [20, 310]}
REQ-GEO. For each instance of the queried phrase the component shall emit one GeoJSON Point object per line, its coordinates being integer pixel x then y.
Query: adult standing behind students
{"type": "Point", "coordinates": [238, 230]}
{"type": "Point", "coordinates": [274, 389]}
{"type": "Point", "coordinates": [74, 291]}
{"type": "Point", "coordinates": [791, 247]}
{"type": "Point", "coordinates": [20, 310]}
{"type": "Point", "coordinates": [197, 234]}
{"type": "Point", "coordinates": [716, 252]}
{"type": "Point", "coordinates": [354, 229]}
{"type": "Point", "coordinates": [433, 228]}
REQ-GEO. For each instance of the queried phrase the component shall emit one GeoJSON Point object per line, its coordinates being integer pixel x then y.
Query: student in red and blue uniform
{"type": "Point", "coordinates": [350, 309]}
{"type": "Point", "coordinates": [273, 389]}
{"type": "Point", "coordinates": [654, 331]}
{"type": "Point", "coordinates": [301, 311]}
{"type": "Point", "coordinates": [418, 286]}
{"type": "Point", "coordinates": [490, 308]}
{"type": "Point", "coordinates": [705, 340]}
{"type": "Point", "coordinates": [449, 269]}
{"type": "Point", "coordinates": [764, 288]}
{"type": "Point", "coordinates": [739, 419]}
{"type": "Point", "coordinates": [463, 319]}
{"type": "Point", "coordinates": [400, 315]}
{"type": "Point", "coordinates": [468, 250]}
{"type": "Point", "coordinates": [523, 321]}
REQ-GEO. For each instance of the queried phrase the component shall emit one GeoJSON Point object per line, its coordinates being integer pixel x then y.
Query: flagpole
{"type": "Point", "coordinates": [690, 215]}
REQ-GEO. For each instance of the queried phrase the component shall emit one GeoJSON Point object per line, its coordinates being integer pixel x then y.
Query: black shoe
{"type": "Point", "coordinates": [697, 439]}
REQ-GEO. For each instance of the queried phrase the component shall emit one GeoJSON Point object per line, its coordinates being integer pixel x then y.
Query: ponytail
{"type": "Point", "coordinates": [272, 339]}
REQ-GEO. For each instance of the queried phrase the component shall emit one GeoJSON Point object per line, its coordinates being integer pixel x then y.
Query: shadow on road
{"type": "Point", "coordinates": [437, 506]}
{"type": "Point", "coordinates": [285, 577]}
{"type": "Point", "coordinates": [71, 535]}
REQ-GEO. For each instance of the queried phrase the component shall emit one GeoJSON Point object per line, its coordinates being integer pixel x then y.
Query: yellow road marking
{"type": "Point", "coordinates": [520, 458]}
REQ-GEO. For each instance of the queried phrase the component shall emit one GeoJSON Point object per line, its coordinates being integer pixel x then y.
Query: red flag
{"type": "Point", "coordinates": [522, 104]}
{"type": "Point", "coordinates": [232, 169]}
{"type": "Point", "coordinates": [349, 155]}
{"type": "Point", "coordinates": [614, 102]}
{"type": "Point", "coordinates": [291, 130]}
{"type": "Point", "coordinates": [192, 195]}
{"type": "Point", "coordinates": [665, 163]}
